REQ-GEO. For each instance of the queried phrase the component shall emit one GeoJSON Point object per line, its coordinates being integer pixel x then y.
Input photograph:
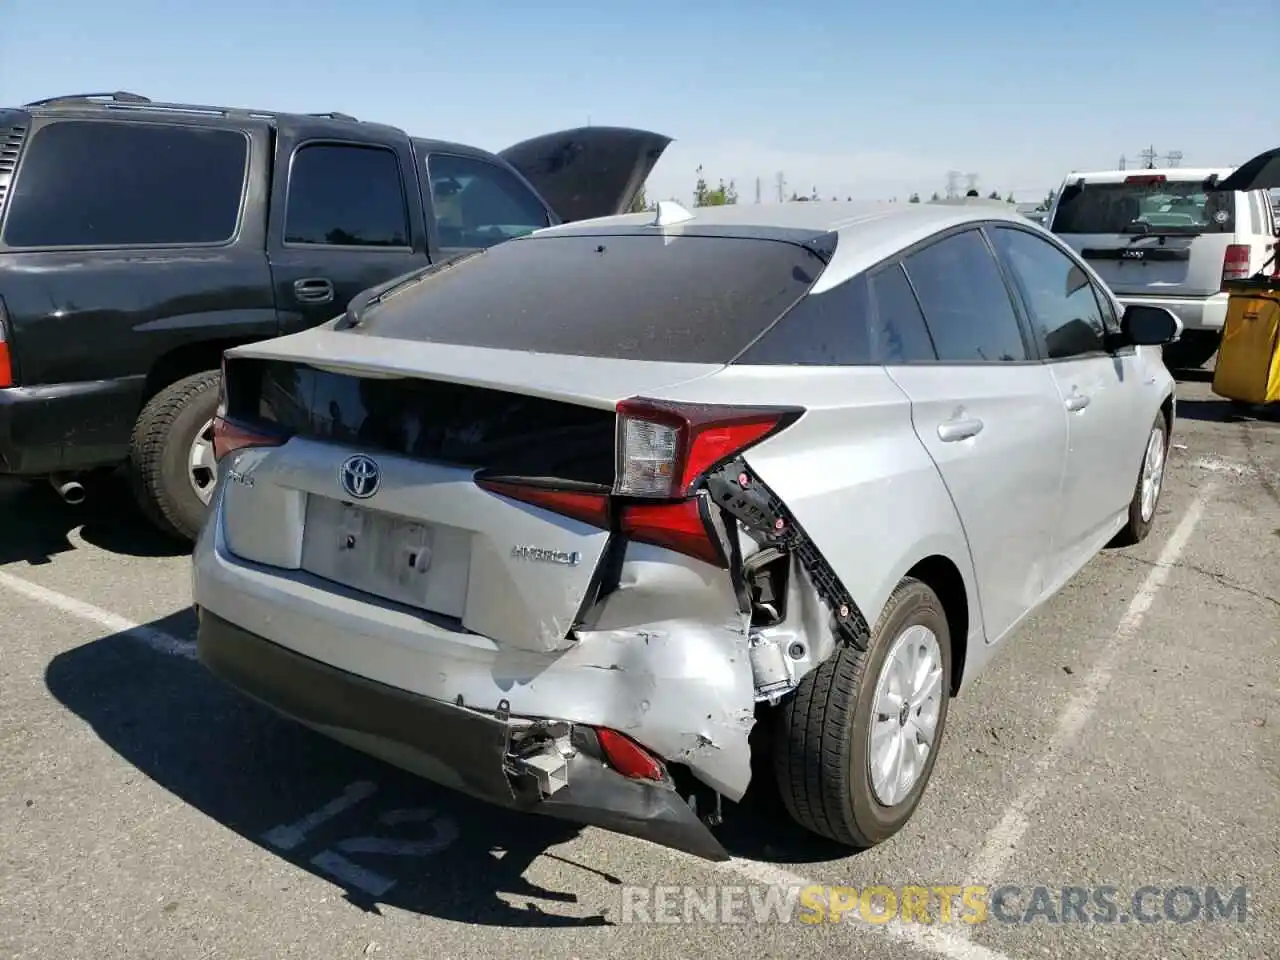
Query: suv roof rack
{"type": "Point", "coordinates": [124, 100]}
{"type": "Point", "coordinates": [118, 96]}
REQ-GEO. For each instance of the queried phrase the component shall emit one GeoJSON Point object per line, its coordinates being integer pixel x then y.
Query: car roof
{"type": "Point", "coordinates": [867, 232]}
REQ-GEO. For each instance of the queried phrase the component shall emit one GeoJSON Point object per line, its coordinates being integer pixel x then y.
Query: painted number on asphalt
{"type": "Point", "coordinates": [334, 861]}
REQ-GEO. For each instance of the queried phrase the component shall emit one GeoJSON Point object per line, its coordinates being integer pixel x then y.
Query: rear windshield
{"type": "Point", "coordinates": [673, 298]}
{"type": "Point", "coordinates": [1174, 206]}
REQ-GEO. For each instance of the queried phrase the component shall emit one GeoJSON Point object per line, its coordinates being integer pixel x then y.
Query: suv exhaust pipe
{"type": "Point", "coordinates": [71, 491]}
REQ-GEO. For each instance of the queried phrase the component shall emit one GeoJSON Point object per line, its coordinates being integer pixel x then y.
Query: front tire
{"type": "Point", "coordinates": [171, 461]}
{"type": "Point", "coordinates": [857, 715]}
{"type": "Point", "coordinates": [1150, 484]}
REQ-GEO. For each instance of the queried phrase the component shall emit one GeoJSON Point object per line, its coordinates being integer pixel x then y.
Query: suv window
{"type": "Point", "coordinates": [1144, 202]}
{"type": "Point", "coordinates": [1057, 293]}
{"type": "Point", "coordinates": [478, 204]}
{"type": "Point", "coordinates": [965, 301]}
{"type": "Point", "coordinates": [346, 195]}
{"type": "Point", "coordinates": [94, 183]}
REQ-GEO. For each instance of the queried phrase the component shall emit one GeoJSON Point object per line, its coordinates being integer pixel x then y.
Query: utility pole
{"type": "Point", "coordinates": [1123, 162]}
{"type": "Point", "coordinates": [781, 181]}
{"type": "Point", "coordinates": [1173, 157]}
{"type": "Point", "coordinates": [1150, 155]}
{"type": "Point", "coordinates": [757, 189]}
{"type": "Point", "coordinates": [953, 179]}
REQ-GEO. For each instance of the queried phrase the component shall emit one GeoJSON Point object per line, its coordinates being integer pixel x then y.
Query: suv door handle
{"type": "Point", "coordinates": [961, 429]}
{"type": "Point", "coordinates": [313, 290]}
{"type": "Point", "coordinates": [1076, 402]}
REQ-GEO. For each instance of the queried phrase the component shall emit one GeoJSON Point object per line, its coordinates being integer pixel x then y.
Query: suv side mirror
{"type": "Point", "coordinates": [1149, 326]}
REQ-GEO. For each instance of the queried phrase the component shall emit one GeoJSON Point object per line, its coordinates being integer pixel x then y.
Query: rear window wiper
{"type": "Point", "coordinates": [1145, 232]}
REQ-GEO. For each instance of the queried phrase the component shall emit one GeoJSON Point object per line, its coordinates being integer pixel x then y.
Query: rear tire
{"type": "Point", "coordinates": [1192, 350]}
{"type": "Point", "coordinates": [167, 434]}
{"type": "Point", "coordinates": [823, 747]}
{"type": "Point", "coordinates": [1145, 500]}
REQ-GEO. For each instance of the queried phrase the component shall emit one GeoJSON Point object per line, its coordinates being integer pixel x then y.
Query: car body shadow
{"type": "Point", "coordinates": [395, 839]}
{"type": "Point", "coordinates": [1227, 411]}
{"type": "Point", "coordinates": [37, 523]}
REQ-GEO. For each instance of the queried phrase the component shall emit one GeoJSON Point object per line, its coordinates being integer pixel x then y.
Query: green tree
{"type": "Point", "coordinates": [722, 195]}
{"type": "Point", "coordinates": [994, 195]}
{"type": "Point", "coordinates": [1048, 200]}
{"type": "Point", "coordinates": [700, 190]}
{"type": "Point", "coordinates": [641, 203]}
{"type": "Point", "coordinates": [914, 198]}
{"type": "Point", "coordinates": [935, 196]}
{"type": "Point", "coordinates": [1009, 198]}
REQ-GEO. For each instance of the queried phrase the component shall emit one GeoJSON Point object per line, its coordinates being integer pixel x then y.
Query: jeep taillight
{"type": "Point", "coordinates": [662, 452]}
{"type": "Point", "coordinates": [1235, 262]}
{"type": "Point", "coordinates": [7, 378]}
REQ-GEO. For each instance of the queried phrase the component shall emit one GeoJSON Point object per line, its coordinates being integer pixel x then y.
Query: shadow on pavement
{"type": "Point", "coordinates": [1219, 410]}
{"type": "Point", "coordinates": [36, 522]}
{"type": "Point", "coordinates": [255, 772]}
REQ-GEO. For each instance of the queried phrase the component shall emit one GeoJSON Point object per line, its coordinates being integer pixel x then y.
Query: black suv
{"type": "Point", "coordinates": [138, 240]}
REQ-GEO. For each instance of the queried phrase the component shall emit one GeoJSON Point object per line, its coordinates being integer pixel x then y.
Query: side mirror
{"type": "Point", "coordinates": [1149, 326]}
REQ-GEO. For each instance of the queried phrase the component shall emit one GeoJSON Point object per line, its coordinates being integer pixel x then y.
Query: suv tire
{"type": "Point", "coordinates": [822, 747]}
{"type": "Point", "coordinates": [160, 454]}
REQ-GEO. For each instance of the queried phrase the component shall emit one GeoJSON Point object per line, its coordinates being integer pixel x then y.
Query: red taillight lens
{"type": "Point", "coordinates": [678, 526]}
{"type": "Point", "coordinates": [1146, 179]}
{"type": "Point", "coordinates": [628, 757]}
{"type": "Point", "coordinates": [663, 448]}
{"type": "Point", "coordinates": [229, 436]}
{"type": "Point", "coordinates": [1235, 263]}
{"type": "Point", "coordinates": [588, 506]}
{"type": "Point", "coordinates": [6, 358]}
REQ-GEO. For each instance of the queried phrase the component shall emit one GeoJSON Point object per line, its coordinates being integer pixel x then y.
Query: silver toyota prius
{"type": "Point", "coordinates": [578, 523]}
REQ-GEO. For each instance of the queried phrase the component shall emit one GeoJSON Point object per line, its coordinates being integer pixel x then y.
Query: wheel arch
{"type": "Point", "coordinates": [188, 359]}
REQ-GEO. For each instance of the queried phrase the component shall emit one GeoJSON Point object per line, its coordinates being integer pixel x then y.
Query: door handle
{"type": "Point", "coordinates": [1076, 402]}
{"type": "Point", "coordinates": [961, 429]}
{"type": "Point", "coordinates": [313, 290]}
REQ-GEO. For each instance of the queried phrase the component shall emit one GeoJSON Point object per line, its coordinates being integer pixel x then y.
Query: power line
{"type": "Point", "coordinates": [757, 189]}
{"type": "Point", "coordinates": [1149, 155]}
{"type": "Point", "coordinates": [781, 182]}
{"type": "Point", "coordinates": [972, 180]}
{"type": "Point", "coordinates": [1173, 157]}
{"type": "Point", "coordinates": [953, 180]}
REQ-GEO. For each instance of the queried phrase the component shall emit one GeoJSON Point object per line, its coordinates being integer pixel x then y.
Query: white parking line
{"type": "Point", "coordinates": [1002, 841]}
{"type": "Point", "coordinates": [157, 640]}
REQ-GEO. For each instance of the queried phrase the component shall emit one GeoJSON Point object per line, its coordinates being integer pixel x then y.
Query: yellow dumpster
{"type": "Point", "coordinates": [1248, 368]}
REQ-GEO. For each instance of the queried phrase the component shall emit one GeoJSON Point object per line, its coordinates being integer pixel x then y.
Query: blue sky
{"type": "Point", "coordinates": [869, 100]}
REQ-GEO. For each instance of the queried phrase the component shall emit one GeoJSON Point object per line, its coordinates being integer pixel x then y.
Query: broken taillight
{"type": "Point", "coordinates": [663, 450]}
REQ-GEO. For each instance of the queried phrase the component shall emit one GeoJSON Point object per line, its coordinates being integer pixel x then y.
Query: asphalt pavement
{"type": "Point", "coordinates": [1123, 749]}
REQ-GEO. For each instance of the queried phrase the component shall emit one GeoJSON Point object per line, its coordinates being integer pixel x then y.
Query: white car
{"type": "Point", "coordinates": [1168, 238]}
{"type": "Point", "coordinates": [561, 523]}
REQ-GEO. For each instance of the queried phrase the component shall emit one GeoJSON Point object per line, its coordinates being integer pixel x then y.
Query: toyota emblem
{"type": "Point", "coordinates": [360, 476]}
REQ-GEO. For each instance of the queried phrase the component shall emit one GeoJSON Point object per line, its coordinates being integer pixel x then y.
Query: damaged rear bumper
{"type": "Point", "coordinates": [462, 748]}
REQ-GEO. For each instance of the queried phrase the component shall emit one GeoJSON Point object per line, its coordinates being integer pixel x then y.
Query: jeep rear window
{"type": "Point", "coordinates": [1144, 204]}
{"type": "Point", "coordinates": [99, 183]}
{"type": "Point", "coordinates": [640, 297]}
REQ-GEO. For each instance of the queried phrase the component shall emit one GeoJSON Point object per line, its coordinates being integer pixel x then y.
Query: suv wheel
{"type": "Point", "coordinates": [171, 460]}
{"type": "Point", "coordinates": [858, 739]}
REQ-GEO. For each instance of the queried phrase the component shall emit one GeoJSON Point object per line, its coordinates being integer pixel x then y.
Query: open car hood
{"type": "Point", "coordinates": [1260, 173]}
{"type": "Point", "coordinates": [588, 172]}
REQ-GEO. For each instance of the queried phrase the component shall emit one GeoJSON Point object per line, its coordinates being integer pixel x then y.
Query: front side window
{"type": "Point", "coordinates": [965, 301]}
{"type": "Point", "coordinates": [348, 196]}
{"type": "Point", "coordinates": [102, 183]}
{"type": "Point", "coordinates": [1057, 292]}
{"type": "Point", "coordinates": [478, 204]}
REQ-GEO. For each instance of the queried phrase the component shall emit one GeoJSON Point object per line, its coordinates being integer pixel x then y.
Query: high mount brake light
{"type": "Point", "coordinates": [1146, 179]}
{"type": "Point", "coordinates": [663, 450]}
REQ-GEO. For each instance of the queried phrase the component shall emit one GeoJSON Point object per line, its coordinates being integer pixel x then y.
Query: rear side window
{"type": "Point", "coordinates": [478, 204]}
{"type": "Point", "coordinates": [965, 301]}
{"type": "Point", "coordinates": [95, 183]}
{"type": "Point", "coordinates": [636, 297]}
{"type": "Point", "coordinates": [1147, 203]}
{"type": "Point", "coordinates": [347, 196]}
